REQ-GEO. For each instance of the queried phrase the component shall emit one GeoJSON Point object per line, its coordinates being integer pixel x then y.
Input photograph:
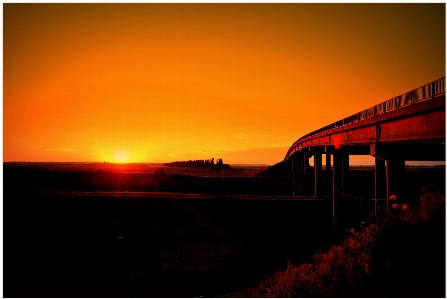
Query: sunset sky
{"type": "Point", "coordinates": [169, 82]}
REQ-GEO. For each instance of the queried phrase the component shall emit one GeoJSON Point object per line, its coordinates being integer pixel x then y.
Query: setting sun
{"type": "Point", "coordinates": [121, 156]}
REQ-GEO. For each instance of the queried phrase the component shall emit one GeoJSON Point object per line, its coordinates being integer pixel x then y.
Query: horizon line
{"type": "Point", "coordinates": [235, 164]}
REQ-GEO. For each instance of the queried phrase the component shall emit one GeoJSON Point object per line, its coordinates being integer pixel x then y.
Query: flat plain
{"type": "Point", "coordinates": [144, 230]}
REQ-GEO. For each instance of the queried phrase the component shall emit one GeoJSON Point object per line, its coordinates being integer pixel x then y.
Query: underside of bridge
{"type": "Point", "coordinates": [332, 179]}
{"type": "Point", "coordinates": [412, 133]}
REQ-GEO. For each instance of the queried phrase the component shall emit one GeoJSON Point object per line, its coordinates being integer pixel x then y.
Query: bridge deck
{"type": "Point", "coordinates": [417, 116]}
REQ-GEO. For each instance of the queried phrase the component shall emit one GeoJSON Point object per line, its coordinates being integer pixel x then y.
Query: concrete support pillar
{"type": "Point", "coordinates": [295, 173]}
{"type": "Point", "coordinates": [379, 182]}
{"type": "Point", "coordinates": [297, 182]}
{"type": "Point", "coordinates": [395, 172]}
{"type": "Point", "coordinates": [345, 175]}
{"type": "Point", "coordinates": [328, 175]}
{"type": "Point", "coordinates": [291, 162]}
{"type": "Point", "coordinates": [337, 177]}
{"type": "Point", "coordinates": [300, 164]}
{"type": "Point", "coordinates": [298, 174]}
{"type": "Point", "coordinates": [328, 166]}
{"type": "Point", "coordinates": [304, 185]}
{"type": "Point", "coordinates": [317, 174]}
{"type": "Point", "coordinates": [306, 162]}
{"type": "Point", "coordinates": [290, 168]}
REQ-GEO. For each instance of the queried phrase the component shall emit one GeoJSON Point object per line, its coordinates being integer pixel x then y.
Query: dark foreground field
{"type": "Point", "coordinates": [58, 245]}
{"type": "Point", "coordinates": [114, 233]}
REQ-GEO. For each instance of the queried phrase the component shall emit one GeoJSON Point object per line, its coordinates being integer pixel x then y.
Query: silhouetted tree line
{"type": "Point", "coordinates": [203, 164]}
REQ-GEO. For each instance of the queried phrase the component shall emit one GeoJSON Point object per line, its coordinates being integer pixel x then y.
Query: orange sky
{"type": "Point", "coordinates": [167, 82]}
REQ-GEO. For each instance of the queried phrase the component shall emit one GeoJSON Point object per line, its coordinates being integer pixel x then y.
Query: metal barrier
{"type": "Point", "coordinates": [420, 94]}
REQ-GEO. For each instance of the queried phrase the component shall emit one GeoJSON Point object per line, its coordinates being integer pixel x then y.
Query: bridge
{"type": "Point", "coordinates": [409, 127]}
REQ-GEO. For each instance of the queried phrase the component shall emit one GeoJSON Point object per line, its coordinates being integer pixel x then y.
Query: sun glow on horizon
{"type": "Point", "coordinates": [121, 156]}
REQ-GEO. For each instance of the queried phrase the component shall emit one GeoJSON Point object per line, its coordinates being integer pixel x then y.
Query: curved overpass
{"type": "Point", "coordinates": [410, 126]}
{"type": "Point", "coordinates": [418, 115]}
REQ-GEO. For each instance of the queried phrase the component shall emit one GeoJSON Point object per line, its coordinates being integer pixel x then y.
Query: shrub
{"type": "Point", "coordinates": [360, 262]}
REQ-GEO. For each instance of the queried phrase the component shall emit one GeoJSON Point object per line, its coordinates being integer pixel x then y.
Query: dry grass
{"type": "Point", "coordinates": [360, 265]}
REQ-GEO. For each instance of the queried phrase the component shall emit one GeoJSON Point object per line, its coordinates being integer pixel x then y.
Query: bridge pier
{"type": "Point", "coordinates": [318, 163]}
{"type": "Point", "coordinates": [379, 182]}
{"type": "Point", "coordinates": [395, 156]}
{"type": "Point", "coordinates": [295, 172]}
{"type": "Point", "coordinates": [345, 174]}
{"type": "Point", "coordinates": [300, 173]}
{"type": "Point", "coordinates": [337, 178]}
{"type": "Point", "coordinates": [328, 176]}
{"type": "Point", "coordinates": [318, 172]}
{"type": "Point", "coordinates": [395, 176]}
{"type": "Point", "coordinates": [291, 172]}
{"type": "Point", "coordinates": [306, 156]}
{"type": "Point", "coordinates": [306, 179]}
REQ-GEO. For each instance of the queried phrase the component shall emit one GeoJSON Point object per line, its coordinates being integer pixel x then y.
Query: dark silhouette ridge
{"type": "Point", "coordinates": [278, 170]}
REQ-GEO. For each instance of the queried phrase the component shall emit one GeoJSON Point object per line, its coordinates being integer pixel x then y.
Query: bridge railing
{"type": "Point", "coordinates": [417, 95]}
